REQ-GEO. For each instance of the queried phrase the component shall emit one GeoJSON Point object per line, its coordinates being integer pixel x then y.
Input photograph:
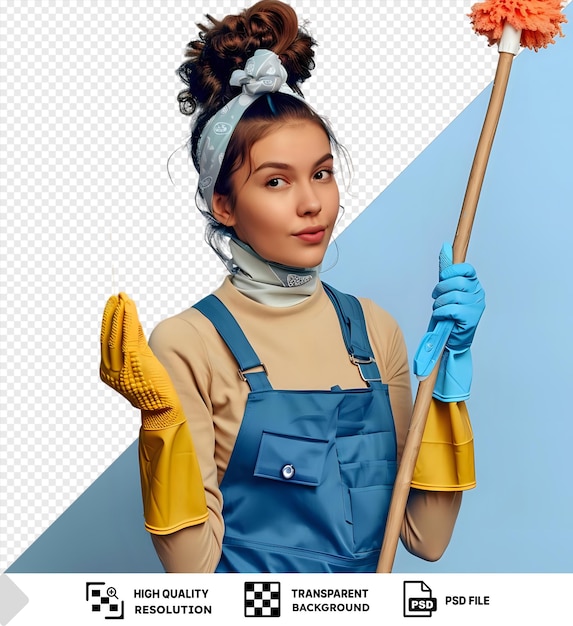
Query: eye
{"type": "Point", "coordinates": [275, 182]}
{"type": "Point", "coordinates": [324, 174]}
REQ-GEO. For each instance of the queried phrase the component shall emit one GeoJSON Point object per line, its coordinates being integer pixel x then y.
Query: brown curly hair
{"type": "Point", "coordinates": [227, 44]}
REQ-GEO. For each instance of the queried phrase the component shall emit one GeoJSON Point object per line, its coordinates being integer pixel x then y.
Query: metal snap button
{"type": "Point", "coordinates": [287, 471]}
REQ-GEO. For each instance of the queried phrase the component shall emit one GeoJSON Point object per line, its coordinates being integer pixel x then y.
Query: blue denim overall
{"type": "Point", "coordinates": [309, 481]}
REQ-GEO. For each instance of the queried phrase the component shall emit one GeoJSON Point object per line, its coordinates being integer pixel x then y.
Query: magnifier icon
{"type": "Point", "coordinates": [112, 593]}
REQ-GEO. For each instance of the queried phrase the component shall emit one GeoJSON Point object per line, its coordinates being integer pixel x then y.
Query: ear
{"type": "Point", "coordinates": [222, 210]}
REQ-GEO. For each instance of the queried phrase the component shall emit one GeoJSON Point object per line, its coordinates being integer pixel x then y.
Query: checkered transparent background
{"type": "Point", "coordinates": [91, 138]}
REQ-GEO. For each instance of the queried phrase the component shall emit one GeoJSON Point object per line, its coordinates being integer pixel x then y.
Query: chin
{"type": "Point", "coordinates": [302, 261]}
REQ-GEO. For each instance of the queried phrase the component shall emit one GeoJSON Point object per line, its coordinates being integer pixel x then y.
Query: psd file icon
{"type": "Point", "coordinates": [418, 599]}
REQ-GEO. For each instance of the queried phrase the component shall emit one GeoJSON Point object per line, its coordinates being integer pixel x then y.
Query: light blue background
{"type": "Point", "coordinates": [518, 519]}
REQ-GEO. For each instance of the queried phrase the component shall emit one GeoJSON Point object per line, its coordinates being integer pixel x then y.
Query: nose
{"type": "Point", "coordinates": [309, 202]}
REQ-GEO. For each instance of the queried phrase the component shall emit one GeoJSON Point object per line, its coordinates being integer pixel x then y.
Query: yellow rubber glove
{"type": "Point", "coordinates": [446, 457]}
{"type": "Point", "coordinates": [171, 483]}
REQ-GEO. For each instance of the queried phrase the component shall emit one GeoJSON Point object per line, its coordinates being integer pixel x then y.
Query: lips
{"type": "Point", "coordinates": [313, 234]}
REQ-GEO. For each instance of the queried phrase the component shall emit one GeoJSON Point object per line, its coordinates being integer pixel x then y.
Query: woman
{"type": "Point", "coordinates": [274, 412]}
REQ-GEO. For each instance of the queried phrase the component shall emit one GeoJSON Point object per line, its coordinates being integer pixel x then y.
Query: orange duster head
{"type": "Point", "coordinates": [538, 20]}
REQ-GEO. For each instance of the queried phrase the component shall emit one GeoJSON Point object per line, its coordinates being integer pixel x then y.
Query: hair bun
{"type": "Point", "coordinates": [227, 44]}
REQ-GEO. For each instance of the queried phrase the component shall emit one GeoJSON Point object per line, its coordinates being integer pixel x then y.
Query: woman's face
{"type": "Point", "coordinates": [287, 198]}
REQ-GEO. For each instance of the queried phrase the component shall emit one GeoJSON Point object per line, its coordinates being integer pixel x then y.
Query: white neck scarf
{"type": "Point", "coordinates": [270, 283]}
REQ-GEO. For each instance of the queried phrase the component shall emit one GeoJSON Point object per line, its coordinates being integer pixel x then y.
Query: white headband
{"type": "Point", "coordinates": [263, 74]}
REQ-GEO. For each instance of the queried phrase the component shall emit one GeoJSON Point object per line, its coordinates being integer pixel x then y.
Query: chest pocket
{"type": "Point", "coordinates": [294, 460]}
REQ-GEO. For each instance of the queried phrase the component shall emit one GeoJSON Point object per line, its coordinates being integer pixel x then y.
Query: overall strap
{"type": "Point", "coordinates": [226, 325]}
{"type": "Point", "coordinates": [353, 327]}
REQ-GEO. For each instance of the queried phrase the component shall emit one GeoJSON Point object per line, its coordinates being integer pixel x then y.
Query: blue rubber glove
{"type": "Point", "coordinates": [459, 302]}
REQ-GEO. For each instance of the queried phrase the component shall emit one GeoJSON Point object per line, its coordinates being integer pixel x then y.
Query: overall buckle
{"type": "Point", "coordinates": [243, 377]}
{"type": "Point", "coordinates": [365, 361]}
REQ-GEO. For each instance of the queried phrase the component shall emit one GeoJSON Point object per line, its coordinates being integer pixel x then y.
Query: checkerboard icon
{"type": "Point", "coordinates": [262, 599]}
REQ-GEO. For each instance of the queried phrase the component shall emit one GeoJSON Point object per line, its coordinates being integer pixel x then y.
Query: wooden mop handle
{"type": "Point", "coordinates": [426, 387]}
{"type": "Point", "coordinates": [483, 150]}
